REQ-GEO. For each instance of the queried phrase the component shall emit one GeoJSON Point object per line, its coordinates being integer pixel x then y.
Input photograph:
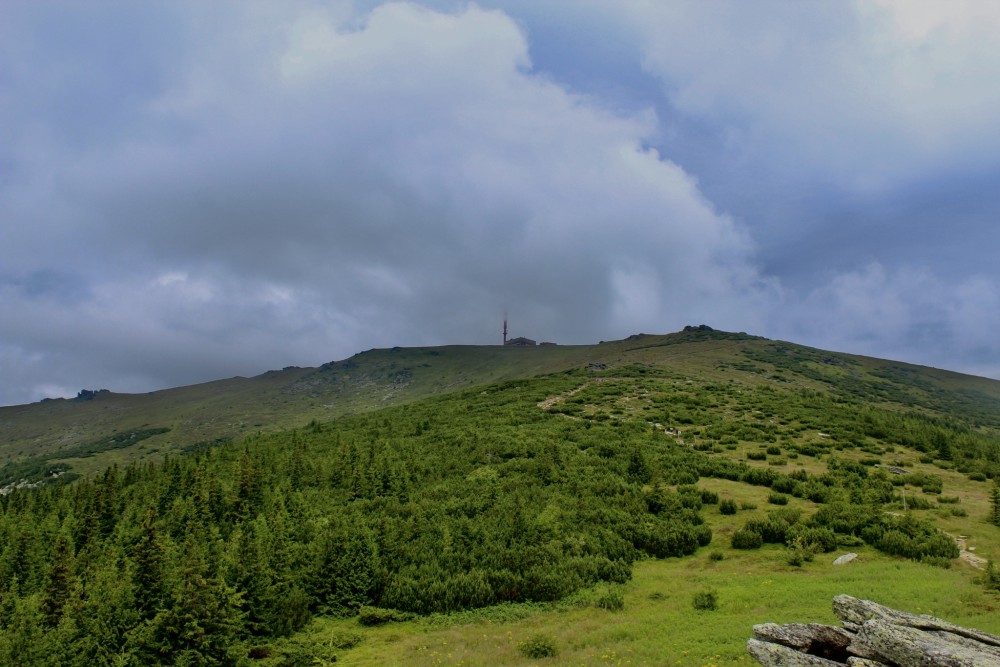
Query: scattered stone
{"type": "Point", "coordinates": [846, 558]}
{"type": "Point", "coordinates": [895, 470]}
{"type": "Point", "coordinates": [873, 636]}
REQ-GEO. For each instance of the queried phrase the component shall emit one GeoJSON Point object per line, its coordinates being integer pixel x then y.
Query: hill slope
{"type": "Point", "coordinates": [601, 494]}
{"type": "Point", "coordinates": [98, 428]}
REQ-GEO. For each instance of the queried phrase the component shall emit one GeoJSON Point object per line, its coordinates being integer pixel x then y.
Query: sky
{"type": "Point", "coordinates": [196, 190]}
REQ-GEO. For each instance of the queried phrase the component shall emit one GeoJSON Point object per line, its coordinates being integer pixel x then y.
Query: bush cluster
{"type": "Point", "coordinates": [538, 646]}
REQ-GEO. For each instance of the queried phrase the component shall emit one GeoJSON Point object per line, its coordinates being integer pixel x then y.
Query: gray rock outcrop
{"type": "Point", "coordinates": [873, 635]}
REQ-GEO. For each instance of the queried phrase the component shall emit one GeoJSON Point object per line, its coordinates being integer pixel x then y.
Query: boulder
{"type": "Point", "coordinates": [873, 635]}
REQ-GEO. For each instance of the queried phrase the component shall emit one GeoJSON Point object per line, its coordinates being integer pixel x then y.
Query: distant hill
{"type": "Point", "coordinates": [97, 428]}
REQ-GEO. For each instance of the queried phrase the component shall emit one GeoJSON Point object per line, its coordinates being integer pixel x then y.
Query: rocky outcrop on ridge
{"type": "Point", "coordinates": [873, 636]}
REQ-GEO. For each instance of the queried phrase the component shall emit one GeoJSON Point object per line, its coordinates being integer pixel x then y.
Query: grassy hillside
{"type": "Point", "coordinates": [52, 434]}
{"type": "Point", "coordinates": [275, 400]}
{"type": "Point", "coordinates": [579, 510]}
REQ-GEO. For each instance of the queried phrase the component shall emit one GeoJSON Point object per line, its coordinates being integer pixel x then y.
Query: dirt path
{"type": "Point", "coordinates": [559, 398]}
{"type": "Point", "coordinates": [972, 559]}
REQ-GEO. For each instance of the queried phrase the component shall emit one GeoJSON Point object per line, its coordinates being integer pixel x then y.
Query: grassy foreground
{"type": "Point", "coordinates": [658, 625]}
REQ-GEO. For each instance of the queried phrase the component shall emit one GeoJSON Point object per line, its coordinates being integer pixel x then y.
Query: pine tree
{"type": "Point", "coordinates": [202, 623]}
{"type": "Point", "coordinates": [107, 505]}
{"type": "Point", "coordinates": [249, 571]}
{"type": "Point", "coordinates": [59, 584]}
{"type": "Point", "coordinates": [148, 576]}
{"type": "Point", "coordinates": [250, 488]}
{"type": "Point", "coordinates": [21, 557]}
{"type": "Point", "coordinates": [345, 571]}
{"type": "Point", "coordinates": [288, 603]}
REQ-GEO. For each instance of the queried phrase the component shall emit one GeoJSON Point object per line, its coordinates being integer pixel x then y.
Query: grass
{"type": "Point", "coordinates": [658, 625]}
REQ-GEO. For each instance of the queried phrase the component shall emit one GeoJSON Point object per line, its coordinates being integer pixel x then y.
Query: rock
{"type": "Point", "coordinates": [853, 612]}
{"type": "Point", "coordinates": [776, 655]}
{"type": "Point", "coordinates": [873, 636]}
{"type": "Point", "coordinates": [846, 558]}
{"type": "Point", "coordinates": [813, 638]}
{"type": "Point", "coordinates": [900, 645]}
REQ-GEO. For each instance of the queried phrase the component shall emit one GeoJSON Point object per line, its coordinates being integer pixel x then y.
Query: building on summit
{"type": "Point", "coordinates": [521, 341]}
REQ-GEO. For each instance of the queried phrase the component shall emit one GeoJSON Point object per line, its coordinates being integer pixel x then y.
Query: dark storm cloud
{"type": "Point", "coordinates": [196, 190]}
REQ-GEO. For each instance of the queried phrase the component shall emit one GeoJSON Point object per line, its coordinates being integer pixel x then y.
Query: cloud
{"type": "Point", "coordinates": [196, 190]}
{"type": "Point", "coordinates": [394, 178]}
{"type": "Point", "coordinates": [867, 94]}
{"type": "Point", "coordinates": [909, 314]}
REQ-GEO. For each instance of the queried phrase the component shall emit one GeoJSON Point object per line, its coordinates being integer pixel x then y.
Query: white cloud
{"type": "Point", "coordinates": [300, 181]}
{"type": "Point", "coordinates": [868, 94]}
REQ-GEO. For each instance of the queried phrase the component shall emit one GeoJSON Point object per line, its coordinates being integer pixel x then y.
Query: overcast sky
{"type": "Point", "coordinates": [196, 190]}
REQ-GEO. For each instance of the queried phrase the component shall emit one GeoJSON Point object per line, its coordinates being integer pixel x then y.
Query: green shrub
{"type": "Point", "coordinates": [774, 450]}
{"type": "Point", "coordinates": [992, 579]}
{"type": "Point", "coordinates": [343, 640]}
{"type": "Point", "coordinates": [818, 539]}
{"type": "Point", "coordinates": [949, 500]}
{"type": "Point", "coordinates": [747, 506]}
{"type": "Point", "coordinates": [378, 616]}
{"type": "Point", "coordinates": [784, 484]}
{"type": "Point", "coordinates": [772, 529]}
{"type": "Point", "coordinates": [977, 477]}
{"type": "Point", "coordinates": [914, 502]}
{"type": "Point", "coordinates": [716, 556]}
{"type": "Point", "coordinates": [757, 456]}
{"type": "Point", "coordinates": [777, 499]}
{"type": "Point", "coordinates": [744, 538]}
{"type": "Point", "coordinates": [612, 600]}
{"type": "Point", "coordinates": [727, 506]}
{"type": "Point", "coordinates": [800, 551]}
{"type": "Point", "coordinates": [706, 600]}
{"type": "Point", "coordinates": [538, 646]}
{"type": "Point", "coordinates": [849, 541]}
{"type": "Point", "coordinates": [690, 498]}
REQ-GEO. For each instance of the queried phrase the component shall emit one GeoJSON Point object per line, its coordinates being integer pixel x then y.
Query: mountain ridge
{"type": "Point", "coordinates": [195, 415]}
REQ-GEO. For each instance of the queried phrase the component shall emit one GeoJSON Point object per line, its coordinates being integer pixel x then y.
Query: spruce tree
{"type": "Point", "coordinates": [202, 623]}
{"type": "Point", "coordinates": [148, 576]}
{"type": "Point", "coordinates": [59, 582]}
